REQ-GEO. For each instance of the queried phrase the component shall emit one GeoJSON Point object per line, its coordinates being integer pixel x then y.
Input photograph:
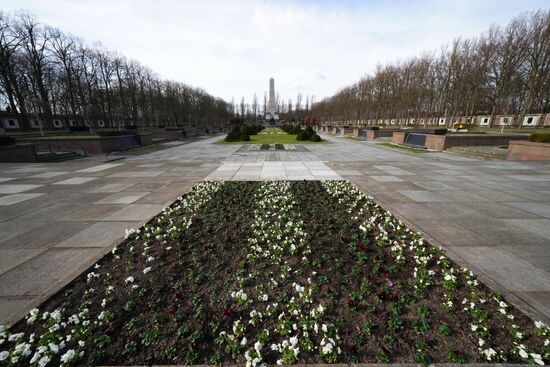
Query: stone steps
{"type": "Point", "coordinates": [57, 157]}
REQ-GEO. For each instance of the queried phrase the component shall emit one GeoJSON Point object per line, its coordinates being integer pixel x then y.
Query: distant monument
{"type": "Point", "coordinates": [271, 113]}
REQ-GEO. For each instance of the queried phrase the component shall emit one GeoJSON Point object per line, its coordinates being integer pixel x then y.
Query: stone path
{"type": "Point", "coordinates": [57, 219]}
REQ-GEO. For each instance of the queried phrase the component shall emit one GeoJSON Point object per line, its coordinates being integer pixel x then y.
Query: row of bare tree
{"type": "Point", "coordinates": [289, 111]}
{"type": "Point", "coordinates": [504, 71]}
{"type": "Point", "coordinates": [44, 70]}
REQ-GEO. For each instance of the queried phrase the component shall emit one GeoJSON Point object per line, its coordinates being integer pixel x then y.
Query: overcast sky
{"type": "Point", "coordinates": [231, 47]}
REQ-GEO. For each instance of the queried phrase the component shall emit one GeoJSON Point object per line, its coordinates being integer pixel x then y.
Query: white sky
{"type": "Point", "coordinates": [231, 47]}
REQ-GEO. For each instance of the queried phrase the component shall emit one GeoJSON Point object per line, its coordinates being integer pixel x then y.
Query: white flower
{"type": "Point", "coordinates": [489, 353]}
{"type": "Point", "coordinates": [537, 358]}
{"type": "Point", "coordinates": [32, 315]}
{"type": "Point", "coordinates": [257, 347]}
{"type": "Point", "coordinates": [68, 356]}
{"type": "Point", "coordinates": [523, 353]}
{"type": "Point", "coordinates": [44, 361]}
{"type": "Point", "coordinates": [15, 337]}
{"type": "Point", "coordinates": [54, 347]}
{"type": "Point", "coordinates": [243, 342]}
{"type": "Point", "coordinates": [327, 348]}
{"type": "Point", "coordinates": [146, 270]}
{"type": "Point", "coordinates": [129, 280]}
{"type": "Point", "coordinates": [4, 355]}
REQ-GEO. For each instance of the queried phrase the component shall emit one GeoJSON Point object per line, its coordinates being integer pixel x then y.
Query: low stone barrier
{"type": "Point", "coordinates": [346, 131]}
{"type": "Point", "coordinates": [380, 133]}
{"type": "Point", "coordinates": [398, 137]}
{"type": "Point", "coordinates": [370, 133]}
{"type": "Point", "coordinates": [528, 150]}
{"type": "Point", "coordinates": [92, 145]}
{"type": "Point", "coordinates": [442, 142]}
{"type": "Point", "coordinates": [17, 154]}
{"type": "Point", "coordinates": [149, 138]}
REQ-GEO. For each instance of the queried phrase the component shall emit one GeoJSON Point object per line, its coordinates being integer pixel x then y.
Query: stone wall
{"type": "Point", "coordinates": [380, 133]}
{"type": "Point", "coordinates": [149, 138]}
{"type": "Point", "coordinates": [98, 145]}
{"type": "Point", "coordinates": [442, 142]}
{"type": "Point", "coordinates": [17, 154]}
{"type": "Point", "coordinates": [527, 150]}
{"type": "Point", "coordinates": [398, 137]}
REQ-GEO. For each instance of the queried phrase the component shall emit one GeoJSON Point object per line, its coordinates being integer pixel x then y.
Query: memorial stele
{"type": "Point", "coordinates": [271, 110]}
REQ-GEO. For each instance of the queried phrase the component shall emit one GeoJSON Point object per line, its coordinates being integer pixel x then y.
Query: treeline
{"type": "Point", "coordinates": [256, 111]}
{"type": "Point", "coordinates": [504, 71]}
{"type": "Point", "coordinates": [45, 70]}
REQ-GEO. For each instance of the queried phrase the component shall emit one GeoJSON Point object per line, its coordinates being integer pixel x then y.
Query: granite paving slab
{"type": "Point", "coordinates": [11, 258]}
{"type": "Point", "coordinates": [111, 187]}
{"type": "Point", "coordinates": [122, 198]}
{"type": "Point", "coordinates": [540, 209]}
{"type": "Point", "coordinates": [48, 174]}
{"type": "Point", "coordinates": [134, 212]}
{"type": "Point", "coordinates": [75, 181]}
{"type": "Point", "coordinates": [499, 265]}
{"type": "Point", "coordinates": [425, 196]}
{"type": "Point", "coordinates": [387, 178]}
{"type": "Point", "coordinates": [137, 174]}
{"type": "Point", "coordinates": [539, 227]}
{"type": "Point", "coordinates": [100, 167]}
{"type": "Point", "coordinates": [41, 272]}
{"type": "Point", "coordinates": [14, 188]}
{"type": "Point", "coordinates": [17, 198]}
{"type": "Point", "coordinates": [100, 234]}
{"type": "Point", "coordinates": [47, 235]}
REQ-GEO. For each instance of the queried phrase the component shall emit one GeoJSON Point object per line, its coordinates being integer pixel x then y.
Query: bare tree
{"type": "Point", "coordinates": [504, 71]}
{"type": "Point", "coordinates": [59, 74]}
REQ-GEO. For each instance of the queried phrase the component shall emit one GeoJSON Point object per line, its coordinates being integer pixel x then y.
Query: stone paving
{"type": "Point", "coordinates": [57, 219]}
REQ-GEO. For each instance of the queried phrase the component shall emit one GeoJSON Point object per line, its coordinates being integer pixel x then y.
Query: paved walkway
{"type": "Point", "coordinates": [57, 219]}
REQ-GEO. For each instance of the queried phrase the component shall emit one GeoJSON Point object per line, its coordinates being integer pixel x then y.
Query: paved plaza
{"type": "Point", "coordinates": [57, 219]}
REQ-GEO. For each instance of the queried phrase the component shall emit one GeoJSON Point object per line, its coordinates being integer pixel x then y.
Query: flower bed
{"type": "Point", "coordinates": [274, 272]}
{"type": "Point", "coordinates": [258, 147]}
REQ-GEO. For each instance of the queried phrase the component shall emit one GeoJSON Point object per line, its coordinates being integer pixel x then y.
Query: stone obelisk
{"type": "Point", "coordinates": [271, 112]}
